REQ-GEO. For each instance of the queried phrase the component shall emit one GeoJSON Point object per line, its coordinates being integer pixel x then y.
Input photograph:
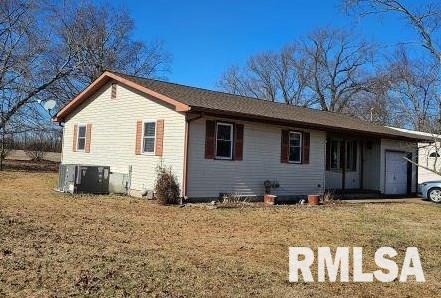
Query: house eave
{"type": "Point", "coordinates": [305, 125]}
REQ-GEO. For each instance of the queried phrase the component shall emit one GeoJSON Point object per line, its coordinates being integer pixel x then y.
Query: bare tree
{"type": "Point", "coordinates": [414, 86]}
{"type": "Point", "coordinates": [269, 76]}
{"type": "Point", "coordinates": [425, 18]}
{"type": "Point", "coordinates": [327, 69]}
{"type": "Point", "coordinates": [29, 63]}
{"type": "Point", "coordinates": [336, 63]}
{"type": "Point", "coordinates": [52, 51]}
{"type": "Point", "coordinates": [100, 37]}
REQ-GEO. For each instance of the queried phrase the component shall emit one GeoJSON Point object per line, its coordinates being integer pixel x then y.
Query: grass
{"type": "Point", "coordinates": [53, 244]}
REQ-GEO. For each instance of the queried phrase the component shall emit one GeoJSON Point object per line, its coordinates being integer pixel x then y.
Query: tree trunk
{"type": "Point", "coordinates": [2, 152]}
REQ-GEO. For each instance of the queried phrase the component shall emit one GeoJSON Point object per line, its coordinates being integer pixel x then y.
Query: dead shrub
{"type": "Point", "coordinates": [36, 150]}
{"type": "Point", "coordinates": [166, 187]}
{"type": "Point", "coordinates": [329, 198]}
{"type": "Point", "coordinates": [233, 200]}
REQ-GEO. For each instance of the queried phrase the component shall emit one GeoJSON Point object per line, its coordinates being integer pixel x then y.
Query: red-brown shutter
{"type": "Point", "coordinates": [284, 154]}
{"type": "Point", "coordinates": [138, 137]}
{"type": "Point", "coordinates": [210, 130]}
{"type": "Point", "coordinates": [75, 136]}
{"type": "Point", "coordinates": [328, 154]}
{"type": "Point", "coordinates": [88, 138]}
{"type": "Point", "coordinates": [113, 91]}
{"type": "Point", "coordinates": [305, 155]}
{"type": "Point", "coordinates": [238, 142]}
{"type": "Point", "coordinates": [159, 137]}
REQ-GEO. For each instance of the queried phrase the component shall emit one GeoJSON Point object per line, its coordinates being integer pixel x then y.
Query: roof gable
{"type": "Point", "coordinates": [100, 82]}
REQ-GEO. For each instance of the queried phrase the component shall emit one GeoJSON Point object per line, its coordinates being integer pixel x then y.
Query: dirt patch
{"type": "Point", "coordinates": [53, 244]}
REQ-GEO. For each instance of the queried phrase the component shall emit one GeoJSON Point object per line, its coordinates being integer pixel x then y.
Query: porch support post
{"type": "Point", "coordinates": [343, 167]}
{"type": "Point", "coordinates": [361, 163]}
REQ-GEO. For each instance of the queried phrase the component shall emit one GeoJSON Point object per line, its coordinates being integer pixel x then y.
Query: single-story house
{"type": "Point", "coordinates": [429, 156]}
{"type": "Point", "coordinates": [219, 143]}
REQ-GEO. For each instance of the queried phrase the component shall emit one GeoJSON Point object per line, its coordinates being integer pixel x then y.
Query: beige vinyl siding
{"type": "Point", "coordinates": [261, 161]}
{"type": "Point", "coordinates": [113, 135]}
{"type": "Point", "coordinates": [387, 144]}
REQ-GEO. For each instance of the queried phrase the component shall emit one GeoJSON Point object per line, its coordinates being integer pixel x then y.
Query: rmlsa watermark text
{"type": "Point", "coordinates": [302, 259]}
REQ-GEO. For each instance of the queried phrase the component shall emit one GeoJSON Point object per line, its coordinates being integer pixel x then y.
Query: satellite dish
{"type": "Point", "coordinates": [49, 105]}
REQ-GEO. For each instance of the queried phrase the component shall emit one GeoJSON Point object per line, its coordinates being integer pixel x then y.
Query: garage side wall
{"type": "Point", "coordinates": [113, 135]}
{"type": "Point", "coordinates": [425, 159]}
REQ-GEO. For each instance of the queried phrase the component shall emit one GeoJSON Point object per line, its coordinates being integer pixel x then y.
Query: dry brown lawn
{"type": "Point", "coordinates": [58, 245]}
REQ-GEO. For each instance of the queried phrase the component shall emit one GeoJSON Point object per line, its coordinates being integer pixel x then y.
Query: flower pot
{"type": "Point", "coordinates": [313, 200]}
{"type": "Point", "coordinates": [269, 200]}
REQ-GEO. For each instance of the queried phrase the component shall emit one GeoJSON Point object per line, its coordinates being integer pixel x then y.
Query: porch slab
{"type": "Point", "coordinates": [414, 200]}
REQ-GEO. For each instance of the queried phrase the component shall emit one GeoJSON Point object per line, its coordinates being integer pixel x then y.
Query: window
{"type": "Point", "coordinates": [295, 146]}
{"type": "Point", "coordinates": [335, 154]}
{"type": "Point", "coordinates": [224, 140]}
{"type": "Point", "coordinates": [434, 154]}
{"type": "Point", "coordinates": [336, 157]}
{"type": "Point", "coordinates": [350, 156]}
{"type": "Point", "coordinates": [81, 142]}
{"type": "Point", "coordinates": [148, 143]}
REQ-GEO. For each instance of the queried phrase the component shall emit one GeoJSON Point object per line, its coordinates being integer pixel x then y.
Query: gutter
{"type": "Point", "coordinates": [188, 120]}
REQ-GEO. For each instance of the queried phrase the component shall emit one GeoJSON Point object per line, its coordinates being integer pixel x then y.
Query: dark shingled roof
{"type": "Point", "coordinates": [224, 103]}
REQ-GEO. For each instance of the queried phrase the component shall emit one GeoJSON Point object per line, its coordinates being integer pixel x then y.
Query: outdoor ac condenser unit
{"type": "Point", "coordinates": [84, 179]}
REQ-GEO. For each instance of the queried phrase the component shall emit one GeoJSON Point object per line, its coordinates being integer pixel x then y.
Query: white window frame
{"type": "Point", "coordinates": [143, 137]}
{"type": "Point", "coordinates": [231, 125]}
{"type": "Point", "coordinates": [78, 137]}
{"type": "Point", "coordinates": [300, 147]}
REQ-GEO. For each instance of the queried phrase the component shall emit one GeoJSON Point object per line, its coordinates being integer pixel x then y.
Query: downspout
{"type": "Point", "coordinates": [186, 145]}
{"type": "Point", "coordinates": [62, 141]}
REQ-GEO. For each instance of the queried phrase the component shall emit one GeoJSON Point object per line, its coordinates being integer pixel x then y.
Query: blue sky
{"type": "Point", "coordinates": [205, 37]}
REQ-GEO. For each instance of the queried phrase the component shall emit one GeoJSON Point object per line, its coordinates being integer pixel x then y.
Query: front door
{"type": "Point", "coordinates": [396, 173]}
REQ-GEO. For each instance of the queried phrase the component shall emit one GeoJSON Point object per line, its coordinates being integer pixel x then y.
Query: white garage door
{"type": "Point", "coordinates": [396, 173]}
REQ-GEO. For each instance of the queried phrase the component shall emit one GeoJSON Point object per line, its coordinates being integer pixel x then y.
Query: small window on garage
{"type": "Point", "coordinates": [434, 154]}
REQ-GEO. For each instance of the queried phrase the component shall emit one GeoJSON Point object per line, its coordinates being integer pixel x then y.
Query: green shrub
{"type": "Point", "coordinates": [166, 188]}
